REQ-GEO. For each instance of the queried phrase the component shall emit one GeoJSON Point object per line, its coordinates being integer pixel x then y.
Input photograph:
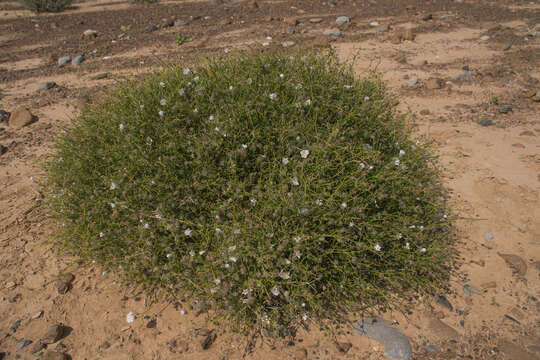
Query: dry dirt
{"type": "Point", "coordinates": [493, 171]}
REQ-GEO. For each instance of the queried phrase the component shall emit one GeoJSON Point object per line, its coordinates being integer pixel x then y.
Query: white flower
{"type": "Point", "coordinates": [113, 186]}
{"type": "Point", "coordinates": [308, 102]}
{"type": "Point", "coordinates": [347, 87]}
{"type": "Point", "coordinates": [297, 239]}
{"type": "Point", "coordinates": [362, 165]}
{"type": "Point", "coordinates": [218, 230]}
{"type": "Point", "coordinates": [232, 248]}
{"type": "Point", "coordinates": [188, 232]}
{"type": "Point", "coordinates": [163, 102]}
{"type": "Point", "coordinates": [294, 181]}
{"type": "Point", "coordinates": [101, 234]}
{"type": "Point", "coordinates": [408, 246]}
{"type": "Point", "coordinates": [412, 227]}
{"type": "Point", "coordinates": [401, 152]}
{"type": "Point", "coordinates": [343, 205]}
{"type": "Point", "coordinates": [226, 266]}
{"type": "Point", "coordinates": [287, 261]}
{"type": "Point", "coordinates": [275, 291]}
{"type": "Point", "coordinates": [396, 162]}
{"type": "Point", "coordinates": [161, 113]}
{"type": "Point", "coordinates": [304, 317]}
{"type": "Point", "coordinates": [249, 81]}
{"type": "Point", "coordinates": [162, 84]}
{"type": "Point", "coordinates": [121, 127]}
{"type": "Point", "coordinates": [297, 254]}
{"type": "Point", "coordinates": [299, 86]}
{"type": "Point", "coordinates": [217, 281]}
{"type": "Point", "coordinates": [304, 153]}
{"type": "Point", "coordinates": [370, 167]}
{"type": "Point", "coordinates": [130, 317]}
{"type": "Point", "coordinates": [445, 216]}
{"type": "Point", "coordinates": [281, 76]}
{"type": "Point", "coordinates": [231, 88]}
{"type": "Point", "coordinates": [303, 304]}
{"type": "Point", "coordinates": [196, 78]}
{"type": "Point", "coordinates": [233, 259]}
{"type": "Point", "coordinates": [141, 107]}
{"type": "Point", "coordinates": [213, 290]}
{"type": "Point", "coordinates": [195, 110]}
{"type": "Point", "coordinates": [113, 205]}
{"type": "Point", "coordinates": [285, 161]}
{"type": "Point", "coordinates": [284, 275]}
{"type": "Point", "coordinates": [266, 43]}
{"type": "Point", "coordinates": [211, 118]}
{"type": "Point", "coordinates": [169, 255]}
{"type": "Point", "coordinates": [227, 50]}
{"type": "Point", "coordinates": [423, 250]}
{"type": "Point", "coordinates": [318, 202]}
{"type": "Point", "coordinates": [272, 96]}
{"type": "Point", "coordinates": [377, 247]}
{"type": "Point", "coordinates": [182, 312]}
{"type": "Point", "coordinates": [146, 226]}
{"type": "Point", "coordinates": [191, 253]}
{"type": "Point", "coordinates": [351, 224]}
{"type": "Point", "coordinates": [236, 232]}
{"type": "Point", "coordinates": [202, 252]}
{"type": "Point", "coordinates": [186, 71]}
{"type": "Point", "coordinates": [366, 99]}
{"type": "Point", "coordinates": [253, 201]}
{"type": "Point", "coordinates": [400, 236]}
{"type": "Point", "coordinates": [181, 92]}
{"type": "Point", "coordinates": [216, 128]}
{"type": "Point", "coordinates": [244, 146]}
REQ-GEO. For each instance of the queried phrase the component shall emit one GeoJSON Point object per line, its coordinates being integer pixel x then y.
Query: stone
{"type": "Point", "coordinates": [64, 60]}
{"type": "Point", "coordinates": [291, 29]}
{"type": "Point", "coordinates": [315, 20]}
{"type": "Point", "coordinates": [507, 46]}
{"type": "Point", "coordinates": [443, 301]}
{"type": "Point", "coordinates": [442, 330]}
{"type": "Point", "coordinates": [287, 44]}
{"type": "Point", "coordinates": [505, 109]}
{"type": "Point", "coordinates": [152, 324]}
{"type": "Point", "coordinates": [37, 315]}
{"type": "Point", "coordinates": [515, 262]}
{"type": "Point", "coordinates": [413, 81]}
{"type": "Point", "coordinates": [489, 236]}
{"type": "Point", "coordinates": [45, 85]}
{"type": "Point", "coordinates": [343, 347]}
{"type": "Point", "coordinates": [208, 339]}
{"type": "Point", "coordinates": [332, 32]}
{"type": "Point", "coordinates": [470, 290]}
{"type": "Point", "coordinates": [429, 348]}
{"type": "Point", "coordinates": [100, 76]}
{"type": "Point", "coordinates": [13, 328]}
{"type": "Point", "coordinates": [382, 29]}
{"type": "Point", "coordinates": [53, 334]}
{"type": "Point", "coordinates": [152, 28]}
{"type": "Point", "coordinates": [485, 38]}
{"type": "Point", "coordinates": [434, 83]}
{"type": "Point", "coordinates": [21, 117]}
{"type": "Point", "coordinates": [181, 22]}
{"type": "Point", "coordinates": [54, 355]}
{"type": "Point", "coordinates": [37, 347]}
{"type": "Point", "coordinates": [374, 24]}
{"type": "Point", "coordinates": [23, 343]}
{"type": "Point", "coordinates": [90, 33]}
{"type": "Point", "coordinates": [77, 60]}
{"type": "Point", "coordinates": [425, 112]}
{"type": "Point", "coordinates": [3, 149]}
{"type": "Point", "coordinates": [63, 283]}
{"type": "Point", "coordinates": [342, 20]}
{"type": "Point", "coordinates": [4, 115]}
{"type": "Point", "coordinates": [396, 343]}
{"type": "Point", "coordinates": [485, 122]}
{"type": "Point", "coordinates": [427, 17]}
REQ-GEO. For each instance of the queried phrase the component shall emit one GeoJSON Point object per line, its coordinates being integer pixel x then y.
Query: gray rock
{"type": "Point", "coordinates": [4, 116]}
{"type": "Point", "coordinates": [489, 236]}
{"type": "Point", "coordinates": [45, 85]}
{"type": "Point", "coordinates": [3, 149]}
{"type": "Point", "coordinates": [342, 20]}
{"type": "Point", "coordinates": [208, 339]}
{"type": "Point", "coordinates": [442, 300]}
{"type": "Point", "coordinates": [466, 74]}
{"type": "Point", "coordinates": [374, 24]}
{"type": "Point", "coordinates": [77, 60]}
{"type": "Point", "coordinates": [382, 29]}
{"type": "Point", "coordinates": [100, 76]}
{"type": "Point", "coordinates": [64, 60]}
{"type": "Point", "coordinates": [90, 33]}
{"type": "Point", "coordinates": [287, 44]}
{"type": "Point", "coordinates": [23, 343]}
{"type": "Point", "coordinates": [396, 343]}
{"type": "Point", "coordinates": [485, 122]}
{"type": "Point", "coordinates": [152, 28]}
{"type": "Point", "coordinates": [21, 117]}
{"type": "Point", "coordinates": [413, 81]}
{"type": "Point", "coordinates": [470, 290]}
{"type": "Point", "coordinates": [444, 17]}
{"type": "Point", "coordinates": [291, 29]}
{"type": "Point", "coordinates": [181, 22]}
{"type": "Point", "coordinates": [429, 348]}
{"type": "Point", "coordinates": [53, 334]}
{"type": "Point", "coordinates": [505, 109]}
{"type": "Point", "coordinates": [332, 32]}
{"type": "Point", "coordinates": [17, 323]}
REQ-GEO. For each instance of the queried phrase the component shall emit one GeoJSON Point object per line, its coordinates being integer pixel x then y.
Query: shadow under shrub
{"type": "Point", "coordinates": [276, 189]}
{"type": "Point", "coordinates": [46, 5]}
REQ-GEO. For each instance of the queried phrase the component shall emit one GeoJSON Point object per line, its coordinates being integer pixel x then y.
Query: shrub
{"type": "Point", "coordinates": [275, 189]}
{"type": "Point", "coordinates": [39, 6]}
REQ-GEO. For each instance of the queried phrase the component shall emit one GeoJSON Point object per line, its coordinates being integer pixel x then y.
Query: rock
{"type": "Point", "coordinates": [443, 301]}
{"type": "Point", "coordinates": [178, 345]}
{"type": "Point", "coordinates": [13, 328]}
{"type": "Point", "coordinates": [505, 109]}
{"type": "Point", "coordinates": [63, 283]}
{"type": "Point", "coordinates": [45, 85]}
{"type": "Point", "coordinates": [429, 348]}
{"type": "Point", "coordinates": [291, 29]}
{"type": "Point", "coordinates": [470, 290]}
{"type": "Point", "coordinates": [64, 60]}
{"type": "Point", "coordinates": [152, 324]}
{"type": "Point", "coordinates": [54, 355]}
{"type": "Point", "coordinates": [90, 33]}
{"type": "Point", "coordinates": [427, 17]}
{"type": "Point", "coordinates": [315, 20]}
{"type": "Point", "coordinates": [489, 236]}
{"type": "Point", "coordinates": [300, 354]}
{"type": "Point", "coordinates": [382, 29]}
{"type": "Point", "coordinates": [485, 122]}
{"type": "Point", "coordinates": [484, 38]}
{"type": "Point", "coordinates": [425, 112]}
{"type": "Point", "coordinates": [152, 28]}
{"type": "Point", "coordinates": [37, 347]}
{"type": "Point", "coordinates": [342, 20]}
{"type": "Point", "coordinates": [466, 74]}
{"type": "Point", "coordinates": [181, 22]}
{"type": "Point", "coordinates": [23, 343]}
{"type": "Point", "coordinates": [374, 24]}
{"type": "Point", "coordinates": [77, 60]}
{"type": "Point", "coordinates": [53, 334]}
{"type": "Point", "coordinates": [3, 149]}
{"type": "Point", "coordinates": [167, 22]}
{"type": "Point", "coordinates": [413, 81]}
{"type": "Point", "coordinates": [442, 330]}
{"type": "Point", "coordinates": [21, 117]}
{"type": "Point", "coordinates": [287, 44]}
{"type": "Point", "coordinates": [515, 262]}
{"type": "Point", "coordinates": [4, 115]}
{"type": "Point", "coordinates": [514, 352]}
{"type": "Point", "coordinates": [489, 285]}
{"type": "Point", "coordinates": [506, 46]}
{"type": "Point", "coordinates": [105, 345]}
{"type": "Point", "coordinates": [208, 339]}
{"type": "Point", "coordinates": [343, 347]}
{"type": "Point", "coordinates": [434, 83]}
{"type": "Point", "coordinates": [100, 76]}
{"type": "Point", "coordinates": [37, 315]}
{"type": "Point", "coordinates": [465, 67]}
{"type": "Point", "coordinates": [396, 343]}
{"type": "Point", "coordinates": [332, 32]}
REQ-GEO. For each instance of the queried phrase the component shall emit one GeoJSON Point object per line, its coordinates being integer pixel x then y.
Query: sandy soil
{"type": "Point", "coordinates": [493, 171]}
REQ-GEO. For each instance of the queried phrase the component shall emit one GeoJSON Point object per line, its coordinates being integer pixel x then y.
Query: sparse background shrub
{"type": "Point", "coordinates": [39, 6]}
{"type": "Point", "coordinates": [276, 189]}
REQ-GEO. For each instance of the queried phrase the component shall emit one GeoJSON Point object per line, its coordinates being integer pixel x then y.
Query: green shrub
{"type": "Point", "coordinates": [39, 6]}
{"type": "Point", "coordinates": [275, 189]}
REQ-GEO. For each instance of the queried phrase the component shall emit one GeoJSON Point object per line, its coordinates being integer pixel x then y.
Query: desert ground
{"type": "Point", "coordinates": [467, 74]}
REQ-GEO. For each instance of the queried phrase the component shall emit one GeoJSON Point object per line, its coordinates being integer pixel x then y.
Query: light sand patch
{"type": "Point", "coordinates": [25, 64]}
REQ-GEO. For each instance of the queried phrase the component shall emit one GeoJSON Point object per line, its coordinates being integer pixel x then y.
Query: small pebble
{"type": "Point", "coordinates": [332, 32]}
{"type": "Point", "coordinates": [23, 343]}
{"type": "Point", "coordinates": [413, 81]}
{"type": "Point", "coordinates": [489, 236]}
{"type": "Point", "coordinates": [286, 44]}
{"type": "Point", "coordinates": [342, 20]}
{"type": "Point", "coordinates": [77, 60]}
{"type": "Point", "coordinates": [64, 60]}
{"type": "Point", "coordinates": [374, 24]}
